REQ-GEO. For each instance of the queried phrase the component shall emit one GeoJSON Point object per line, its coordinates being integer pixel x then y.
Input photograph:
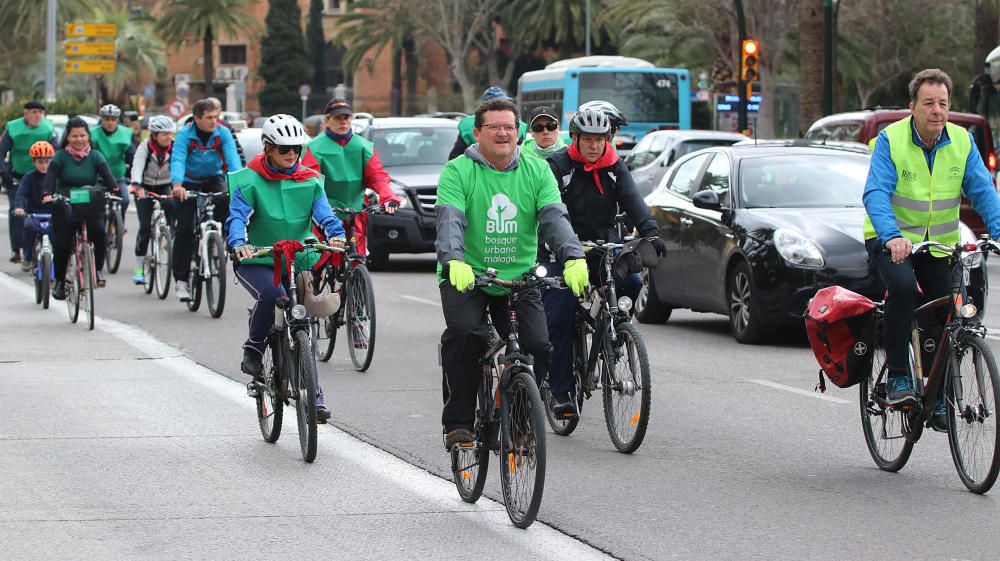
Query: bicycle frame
{"type": "Point", "coordinates": [206, 223]}
{"type": "Point", "coordinates": [601, 317]}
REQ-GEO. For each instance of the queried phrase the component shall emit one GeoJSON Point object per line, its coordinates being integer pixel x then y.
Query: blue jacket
{"type": "Point", "coordinates": [977, 185]}
{"type": "Point", "coordinates": [194, 162]}
{"type": "Point", "coordinates": [29, 194]}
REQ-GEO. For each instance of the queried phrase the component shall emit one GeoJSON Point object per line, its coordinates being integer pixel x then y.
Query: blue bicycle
{"type": "Point", "coordinates": [43, 272]}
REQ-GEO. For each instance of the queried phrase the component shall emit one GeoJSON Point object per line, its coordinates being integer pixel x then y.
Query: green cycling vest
{"type": "Point", "coordinates": [468, 124]}
{"type": "Point", "coordinates": [22, 137]}
{"type": "Point", "coordinates": [113, 146]}
{"type": "Point", "coordinates": [926, 204]}
{"type": "Point", "coordinates": [282, 210]}
{"type": "Point", "coordinates": [344, 168]}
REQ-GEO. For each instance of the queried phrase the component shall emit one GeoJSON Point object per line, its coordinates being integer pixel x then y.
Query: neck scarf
{"type": "Point", "coordinates": [263, 168]}
{"type": "Point", "coordinates": [339, 139]}
{"type": "Point", "coordinates": [608, 159]}
{"type": "Point", "coordinates": [78, 154]}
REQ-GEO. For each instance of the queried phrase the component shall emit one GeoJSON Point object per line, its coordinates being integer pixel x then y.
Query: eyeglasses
{"type": "Point", "coordinates": [286, 149]}
{"type": "Point", "coordinates": [546, 127]}
{"type": "Point", "coordinates": [495, 127]}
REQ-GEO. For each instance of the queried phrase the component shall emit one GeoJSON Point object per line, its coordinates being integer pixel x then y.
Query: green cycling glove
{"type": "Point", "coordinates": [575, 275]}
{"type": "Point", "coordinates": [460, 275]}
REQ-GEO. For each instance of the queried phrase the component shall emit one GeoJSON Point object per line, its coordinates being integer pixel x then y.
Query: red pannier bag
{"type": "Point", "coordinates": [840, 325]}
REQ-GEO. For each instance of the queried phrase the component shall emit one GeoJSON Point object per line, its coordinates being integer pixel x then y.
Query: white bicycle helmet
{"type": "Point", "coordinates": [110, 110]}
{"type": "Point", "coordinates": [590, 121]}
{"type": "Point", "coordinates": [284, 130]}
{"type": "Point", "coordinates": [616, 116]}
{"type": "Point", "coordinates": [161, 123]}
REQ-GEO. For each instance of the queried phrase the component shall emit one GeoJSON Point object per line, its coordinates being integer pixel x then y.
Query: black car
{"type": "Point", "coordinates": [753, 231]}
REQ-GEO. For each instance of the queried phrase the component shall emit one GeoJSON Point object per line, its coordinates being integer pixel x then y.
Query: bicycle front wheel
{"type": "Point", "coordinates": [73, 288]}
{"type": "Point", "coordinates": [882, 425]}
{"type": "Point", "coordinates": [626, 388]}
{"type": "Point", "coordinates": [45, 271]}
{"type": "Point", "coordinates": [305, 404]}
{"type": "Point", "coordinates": [89, 280]}
{"type": "Point", "coordinates": [270, 395]}
{"type": "Point", "coordinates": [164, 261]}
{"type": "Point", "coordinates": [972, 413]}
{"type": "Point", "coordinates": [38, 273]}
{"type": "Point", "coordinates": [114, 235]}
{"type": "Point", "coordinates": [360, 308]}
{"type": "Point", "coordinates": [522, 449]}
{"type": "Point", "coordinates": [215, 284]}
{"type": "Point", "coordinates": [195, 281]}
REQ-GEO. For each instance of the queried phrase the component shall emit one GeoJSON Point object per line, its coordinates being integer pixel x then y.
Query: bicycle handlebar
{"type": "Point", "coordinates": [957, 249]}
{"type": "Point", "coordinates": [601, 244]}
{"type": "Point", "coordinates": [370, 209]}
{"type": "Point", "coordinates": [527, 282]}
{"type": "Point", "coordinates": [266, 250]}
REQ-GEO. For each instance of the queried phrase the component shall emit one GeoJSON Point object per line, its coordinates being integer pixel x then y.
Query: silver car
{"type": "Point", "coordinates": [651, 157]}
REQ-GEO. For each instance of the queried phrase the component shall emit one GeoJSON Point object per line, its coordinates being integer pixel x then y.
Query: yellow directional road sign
{"type": "Point", "coordinates": [91, 30]}
{"type": "Point", "coordinates": [95, 48]}
{"type": "Point", "coordinates": [90, 66]}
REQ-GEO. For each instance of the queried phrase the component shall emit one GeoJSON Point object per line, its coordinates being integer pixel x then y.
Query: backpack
{"type": "Point", "coordinates": [840, 325]}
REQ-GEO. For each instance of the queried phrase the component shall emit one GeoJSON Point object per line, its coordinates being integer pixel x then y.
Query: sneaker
{"type": "Point", "coordinates": [101, 283]}
{"type": "Point", "coordinates": [15, 257]}
{"type": "Point", "coordinates": [138, 276]}
{"type": "Point", "coordinates": [939, 416]}
{"type": "Point", "coordinates": [252, 363]}
{"type": "Point", "coordinates": [561, 406]}
{"type": "Point", "coordinates": [460, 437]}
{"type": "Point", "coordinates": [322, 414]}
{"type": "Point", "coordinates": [899, 391]}
{"type": "Point", "coordinates": [26, 266]}
{"type": "Point", "coordinates": [182, 290]}
{"type": "Point", "coordinates": [59, 290]}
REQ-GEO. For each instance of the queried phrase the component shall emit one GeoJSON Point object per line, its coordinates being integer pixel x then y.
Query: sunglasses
{"type": "Point", "coordinates": [286, 149]}
{"type": "Point", "coordinates": [547, 127]}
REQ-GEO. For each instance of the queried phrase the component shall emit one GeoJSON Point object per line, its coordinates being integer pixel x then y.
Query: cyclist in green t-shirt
{"type": "Point", "coordinates": [492, 205]}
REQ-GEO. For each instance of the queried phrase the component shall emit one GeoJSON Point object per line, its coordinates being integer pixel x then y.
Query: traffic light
{"type": "Point", "coordinates": [751, 56]}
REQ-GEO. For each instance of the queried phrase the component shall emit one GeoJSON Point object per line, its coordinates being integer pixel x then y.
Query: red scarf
{"type": "Point", "coordinates": [159, 153]}
{"type": "Point", "coordinates": [301, 173]}
{"type": "Point", "coordinates": [286, 249]}
{"type": "Point", "coordinates": [608, 159]}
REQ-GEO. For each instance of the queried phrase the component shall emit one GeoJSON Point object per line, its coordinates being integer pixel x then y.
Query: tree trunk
{"type": "Point", "coordinates": [412, 71]}
{"type": "Point", "coordinates": [209, 66]}
{"type": "Point", "coordinates": [396, 89]}
{"type": "Point", "coordinates": [810, 62]}
{"type": "Point", "coordinates": [986, 19]}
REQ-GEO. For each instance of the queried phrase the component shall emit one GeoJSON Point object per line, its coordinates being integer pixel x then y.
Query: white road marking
{"type": "Point", "coordinates": [546, 541]}
{"type": "Point", "coordinates": [420, 300]}
{"type": "Point", "coordinates": [806, 393]}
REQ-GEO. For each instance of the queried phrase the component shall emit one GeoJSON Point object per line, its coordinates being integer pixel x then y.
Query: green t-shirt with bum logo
{"type": "Point", "coordinates": [501, 210]}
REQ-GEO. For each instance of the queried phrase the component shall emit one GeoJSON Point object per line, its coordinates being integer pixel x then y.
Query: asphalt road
{"type": "Point", "coordinates": [742, 460]}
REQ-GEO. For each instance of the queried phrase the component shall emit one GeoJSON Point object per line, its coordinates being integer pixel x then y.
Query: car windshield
{"type": "Point", "coordinates": [413, 146]}
{"type": "Point", "coordinates": [803, 181]}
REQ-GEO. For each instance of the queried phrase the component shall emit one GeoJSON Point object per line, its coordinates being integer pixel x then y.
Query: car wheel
{"type": "Point", "coordinates": [744, 315]}
{"type": "Point", "coordinates": [378, 260]}
{"type": "Point", "coordinates": [648, 307]}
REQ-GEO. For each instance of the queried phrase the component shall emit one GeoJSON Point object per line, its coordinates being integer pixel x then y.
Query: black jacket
{"type": "Point", "coordinates": [592, 213]}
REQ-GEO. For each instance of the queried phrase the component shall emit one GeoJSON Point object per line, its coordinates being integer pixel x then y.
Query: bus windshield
{"type": "Point", "coordinates": [642, 97]}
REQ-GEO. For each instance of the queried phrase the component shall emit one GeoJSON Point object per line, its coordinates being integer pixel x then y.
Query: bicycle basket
{"type": "Point", "coordinates": [87, 202]}
{"type": "Point", "coordinates": [840, 325]}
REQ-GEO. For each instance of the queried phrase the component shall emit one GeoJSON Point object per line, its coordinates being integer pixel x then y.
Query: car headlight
{"type": "Point", "coordinates": [796, 249]}
{"type": "Point", "coordinates": [404, 199]}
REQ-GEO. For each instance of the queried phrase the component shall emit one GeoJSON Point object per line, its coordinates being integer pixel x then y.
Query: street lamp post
{"type": "Point", "coordinates": [741, 29]}
{"type": "Point", "coordinates": [587, 50]}
{"type": "Point", "coordinates": [50, 51]}
{"type": "Point", "coordinates": [828, 31]}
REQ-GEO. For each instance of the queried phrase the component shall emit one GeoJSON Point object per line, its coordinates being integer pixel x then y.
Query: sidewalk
{"type": "Point", "coordinates": [133, 452]}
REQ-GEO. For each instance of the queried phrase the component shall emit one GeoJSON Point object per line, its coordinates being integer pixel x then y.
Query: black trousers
{"type": "Point", "coordinates": [464, 343]}
{"type": "Point", "coordinates": [902, 299]}
{"type": "Point", "coordinates": [144, 208]}
{"type": "Point", "coordinates": [62, 239]}
{"type": "Point", "coordinates": [186, 214]}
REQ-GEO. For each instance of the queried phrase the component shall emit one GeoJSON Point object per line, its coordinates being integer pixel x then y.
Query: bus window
{"type": "Point", "coordinates": [642, 96]}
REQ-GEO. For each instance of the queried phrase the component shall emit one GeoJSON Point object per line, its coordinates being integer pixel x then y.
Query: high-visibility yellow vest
{"type": "Point", "coordinates": [926, 204]}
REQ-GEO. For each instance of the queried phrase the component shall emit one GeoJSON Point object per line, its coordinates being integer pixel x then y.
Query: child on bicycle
{"type": "Point", "coordinates": [151, 173]}
{"type": "Point", "coordinates": [28, 199]}
{"type": "Point", "coordinates": [275, 198]}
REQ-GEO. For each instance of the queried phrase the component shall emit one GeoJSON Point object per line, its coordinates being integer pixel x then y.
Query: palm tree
{"type": "Point", "coordinates": [561, 22]}
{"type": "Point", "coordinates": [137, 47]}
{"type": "Point", "coordinates": [204, 20]}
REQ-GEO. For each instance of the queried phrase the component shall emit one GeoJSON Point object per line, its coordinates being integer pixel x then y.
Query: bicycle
{"type": "Point", "coordinates": [357, 310]}
{"type": "Point", "coordinates": [289, 365]}
{"type": "Point", "coordinates": [114, 232]}
{"type": "Point", "coordinates": [208, 270]}
{"type": "Point", "coordinates": [964, 369]}
{"type": "Point", "coordinates": [609, 355]}
{"type": "Point", "coordinates": [509, 419]}
{"type": "Point", "coordinates": [43, 272]}
{"type": "Point", "coordinates": [81, 271]}
{"type": "Point", "coordinates": [157, 263]}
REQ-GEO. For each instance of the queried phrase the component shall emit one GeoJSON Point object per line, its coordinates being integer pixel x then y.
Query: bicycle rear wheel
{"type": "Point", "coordinates": [324, 336]}
{"type": "Point", "coordinates": [270, 395]}
{"type": "Point", "coordinates": [164, 262]}
{"type": "Point", "coordinates": [305, 404]}
{"type": "Point", "coordinates": [522, 449]}
{"type": "Point", "coordinates": [73, 288]}
{"type": "Point", "coordinates": [470, 464]}
{"type": "Point", "coordinates": [45, 270]}
{"type": "Point", "coordinates": [626, 390]}
{"type": "Point", "coordinates": [360, 308]}
{"type": "Point", "coordinates": [883, 426]}
{"type": "Point", "coordinates": [114, 235]}
{"type": "Point", "coordinates": [215, 284]}
{"type": "Point", "coordinates": [89, 280]}
{"type": "Point", "coordinates": [973, 394]}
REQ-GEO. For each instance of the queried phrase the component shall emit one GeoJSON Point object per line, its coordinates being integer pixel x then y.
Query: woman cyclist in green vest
{"type": "Point", "coordinates": [114, 140]}
{"type": "Point", "coordinates": [920, 168]}
{"type": "Point", "coordinates": [275, 198]}
{"type": "Point", "coordinates": [18, 137]}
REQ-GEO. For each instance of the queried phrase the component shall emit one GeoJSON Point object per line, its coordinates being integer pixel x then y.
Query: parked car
{"type": "Point", "coordinates": [651, 157]}
{"type": "Point", "coordinates": [413, 151]}
{"type": "Point", "coordinates": [863, 126]}
{"type": "Point", "coordinates": [59, 121]}
{"type": "Point", "coordinates": [250, 140]}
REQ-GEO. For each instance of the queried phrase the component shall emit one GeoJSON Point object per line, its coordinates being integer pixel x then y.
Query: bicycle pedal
{"type": "Point", "coordinates": [252, 390]}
